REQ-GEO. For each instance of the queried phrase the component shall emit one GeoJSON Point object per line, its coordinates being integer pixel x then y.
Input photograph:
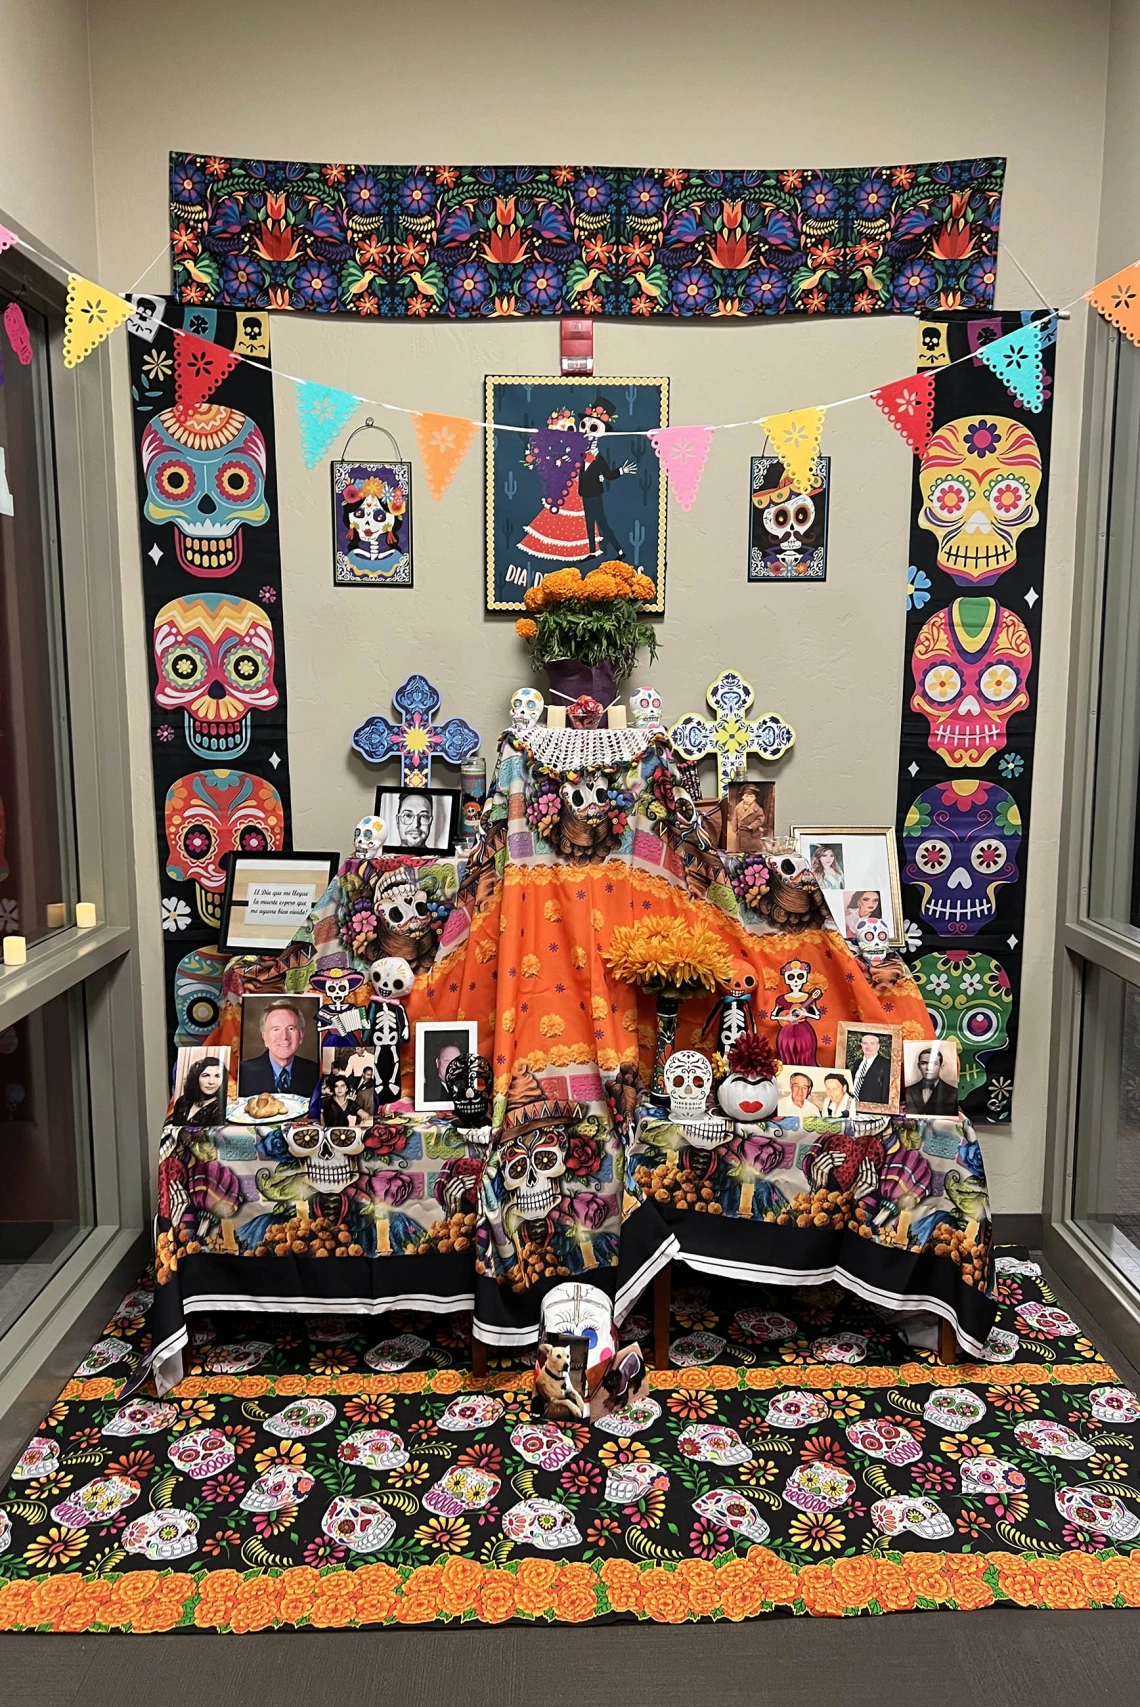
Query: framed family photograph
{"type": "Point", "coordinates": [419, 820]}
{"type": "Point", "coordinates": [201, 1080]}
{"type": "Point", "coordinates": [438, 1044]}
{"type": "Point", "coordinates": [348, 1087]}
{"type": "Point", "coordinates": [749, 816]}
{"type": "Point", "coordinates": [606, 499]}
{"type": "Point", "coordinates": [269, 896]}
{"type": "Point", "coordinates": [930, 1076]}
{"type": "Point", "coordinates": [870, 1056]}
{"type": "Point", "coordinates": [280, 1046]}
{"type": "Point", "coordinates": [372, 524]}
{"type": "Point", "coordinates": [787, 531]}
{"type": "Point", "coordinates": [858, 871]}
{"type": "Point", "coordinates": [814, 1093]}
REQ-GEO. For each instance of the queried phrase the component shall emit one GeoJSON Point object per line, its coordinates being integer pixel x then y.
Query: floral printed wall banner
{"type": "Point", "coordinates": [208, 515]}
{"type": "Point", "coordinates": [472, 241]}
{"type": "Point", "coordinates": [973, 626]}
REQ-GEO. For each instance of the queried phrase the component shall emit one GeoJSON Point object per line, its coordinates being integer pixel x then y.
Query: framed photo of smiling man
{"type": "Point", "coordinates": [419, 820]}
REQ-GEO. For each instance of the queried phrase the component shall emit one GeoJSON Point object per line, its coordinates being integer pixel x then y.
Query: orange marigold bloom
{"type": "Point", "coordinates": [893, 1589]}
{"type": "Point", "coordinates": [534, 1585]}
{"type": "Point", "coordinates": [741, 1589]}
{"type": "Point", "coordinates": [1127, 1574]}
{"type": "Point", "coordinates": [459, 1585]}
{"type": "Point", "coordinates": [575, 1598]}
{"type": "Point", "coordinates": [526, 628]}
{"type": "Point", "coordinates": [447, 1381]}
{"type": "Point", "coordinates": [927, 1576]}
{"type": "Point", "coordinates": [532, 598]}
{"type": "Point", "coordinates": [419, 1602]}
{"type": "Point", "coordinates": [1018, 1577]}
{"type": "Point", "coordinates": [820, 1592]}
{"type": "Point", "coordinates": [495, 1601]}
{"type": "Point", "coordinates": [1099, 1576]}
{"type": "Point", "coordinates": [664, 1597]}
{"type": "Point", "coordinates": [623, 1584]}
{"type": "Point", "coordinates": [642, 587]}
{"type": "Point", "coordinates": [777, 1578]}
{"type": "Point", "coordinates": [334, 1611]}
{"type": "Point", "coordinates": [702, 1585]}
{"type": "Point", "coordinates": [1062, 1585]}
{"type": "Point", "coordinates": [722, 1375]}
{"type": "Point", "coordinates": [855, 1579]}
{"type": "Point", "coordinates": [287, 1384]}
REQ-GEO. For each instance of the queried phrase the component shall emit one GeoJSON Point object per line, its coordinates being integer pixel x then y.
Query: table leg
{"type": "Point", "coordinates": [662, 1287]}
{"type": "Point", "coordinates": [947, 1343]}
{"type": "Point", "coordinates": [478, 1359]}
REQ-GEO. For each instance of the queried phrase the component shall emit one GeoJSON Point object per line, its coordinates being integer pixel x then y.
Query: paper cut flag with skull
{"type": "Point", "coordinates": [974, 595]}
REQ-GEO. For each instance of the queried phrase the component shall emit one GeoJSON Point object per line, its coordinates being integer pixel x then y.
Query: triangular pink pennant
{"type": "Point", "coordinates": [682, 453]}
{"type": "Point", "coordinates": [199, 369]}
{"type": "Point", "coordinates": [7, 238]}
{"type": "Point", "coordinates": [908, 405]}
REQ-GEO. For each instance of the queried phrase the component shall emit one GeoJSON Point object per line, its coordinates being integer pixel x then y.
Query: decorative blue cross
{"type": "Point", "coordinates": [417, 739]}
{"type": "Point", "coordinates": [731, 737]}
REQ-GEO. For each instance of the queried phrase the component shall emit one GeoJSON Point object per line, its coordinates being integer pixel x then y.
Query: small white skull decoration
{"type": "Point", "coordinates": [688, 1080]}
{"type": "Point", "coordinates": [645, 705]}
{"type": "Point", "coordinates": [325, 1152]}
{"type": "Point", "coordinates": [872, 941]}
{"type": "Point", "coordinates": [391, 977]}
{"type": "Point", "coordinates": [368, 837]}
{"type": "Point", "coordinates": [527, 707]}
{"type": "Point", "coordinates": [531, 1165]}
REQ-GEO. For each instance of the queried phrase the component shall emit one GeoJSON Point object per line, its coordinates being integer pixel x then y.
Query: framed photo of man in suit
{"type": "Point", "coordinates": [871, 1056]}
{"type": "Point", "coordinates": [279, 1045]}
{"type": "Point", "coordinates": [930, 1076]}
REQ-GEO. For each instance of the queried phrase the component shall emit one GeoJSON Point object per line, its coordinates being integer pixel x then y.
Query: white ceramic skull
{"type": "Point", "coordinates": [872, 941]}
{"type": "Point", "coordinates": [527, 707]}
{"type": "Point", "coordinates": [688, 1080]}
{"type": "Point", "coordinates": [645, 704]}
{"type": "Point", "coordinates": [531, 1164]}
{"type": "Point", "coordinates": [325, 1152]}
{"type": "Point", "coordinates": [368, 837]}
{"type": "Point", "coordinates": [391, 977]}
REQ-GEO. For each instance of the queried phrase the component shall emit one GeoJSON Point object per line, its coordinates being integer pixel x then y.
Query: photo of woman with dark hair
{"type": "Point", "coordinates": [202, 1099]}
{"type": "Point", "coordinates": [827, 864]}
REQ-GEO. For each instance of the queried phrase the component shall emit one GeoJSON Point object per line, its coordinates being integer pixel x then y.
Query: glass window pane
{"type": "Point", "coordinates": [47, 1203]}
{"type": "Point", "coordinates": [1106, 1183]}
{"type": "Point", "coordinates": [37, 827]}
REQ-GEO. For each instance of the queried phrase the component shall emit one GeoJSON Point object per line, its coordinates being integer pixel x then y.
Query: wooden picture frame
{"type": "Point", "coordinates": [849, 1056]}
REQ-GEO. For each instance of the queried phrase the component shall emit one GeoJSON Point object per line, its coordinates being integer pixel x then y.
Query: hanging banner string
{"type": "Point", "coordinates": [618, 433]}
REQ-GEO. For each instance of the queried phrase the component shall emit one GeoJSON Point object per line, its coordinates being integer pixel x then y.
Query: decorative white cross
{"type": "Point", "coordinates": [731, 737]}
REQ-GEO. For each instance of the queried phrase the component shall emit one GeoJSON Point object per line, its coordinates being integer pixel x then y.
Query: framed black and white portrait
{"type": "Point", "coordinates": [438, 1044]}
{"type": "Point", "coordinates": [419, 820]}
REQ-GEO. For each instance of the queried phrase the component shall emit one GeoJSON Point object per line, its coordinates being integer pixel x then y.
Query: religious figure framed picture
{"type": "Point", "coordinates": [858, 871]}
{"type": "Point", "coordinates": [372, 524]}
{"type": "Point", "coordinates": [269, 896]}
{"type": "Point", "coordinates": [438, 1044]}
{"type": "Point", "coordinates": [579, 485]}
{"type": "Point", "coordinates": [419, 820]}
{"type": "Point", "coordinates": [870, 1057]}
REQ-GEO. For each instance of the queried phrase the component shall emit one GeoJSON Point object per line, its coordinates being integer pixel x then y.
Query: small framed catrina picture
{"type": "Point", "coordinates": [372, 524]}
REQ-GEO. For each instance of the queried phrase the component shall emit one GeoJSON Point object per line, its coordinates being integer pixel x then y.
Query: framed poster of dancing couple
{"type": "Point", "coordinates": [583, 487]}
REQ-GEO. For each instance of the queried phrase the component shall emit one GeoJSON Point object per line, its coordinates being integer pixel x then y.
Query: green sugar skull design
{"type": "Point", "coordinates": [969, 999]}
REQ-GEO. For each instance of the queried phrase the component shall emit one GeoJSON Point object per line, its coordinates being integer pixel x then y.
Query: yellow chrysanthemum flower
{"type": "Point", "coordinates": [672, 953]}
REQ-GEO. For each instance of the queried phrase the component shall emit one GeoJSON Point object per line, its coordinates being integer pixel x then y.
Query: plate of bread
{"type": "Point", "coordinates": [265, 1108]}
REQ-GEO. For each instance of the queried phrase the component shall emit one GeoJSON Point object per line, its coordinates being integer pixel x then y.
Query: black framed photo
{"type": "Point", "coordinates": [439, 1042]}
{"type": "Point", "coordinates": [269, 896]}
{"type": "Point", "coordinates": [787, 530]}
{"type": "Point", "coordinates": [372, 524]}
{"type": "Point", "coordinates": [419, 820]}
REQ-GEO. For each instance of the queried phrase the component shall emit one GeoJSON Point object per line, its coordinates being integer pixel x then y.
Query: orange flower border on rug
{"type": "Point", "coordinates": [465, 1591]}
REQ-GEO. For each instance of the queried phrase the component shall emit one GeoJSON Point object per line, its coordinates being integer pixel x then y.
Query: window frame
{"type": "Point", "coordinates": [102, 962]}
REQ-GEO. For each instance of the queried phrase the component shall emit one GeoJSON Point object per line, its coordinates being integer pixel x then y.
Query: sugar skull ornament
{"type": "Point", "coordinates": [214, 657]}
{"type": "Point", "coordinates": [872, 941]}
{"type": "Point", "coordinates": [968, 998]}
{"type": "Point", "coordinates": [368, 837]}
{"type": "Point", "coordinates": [468, 1079]}
{"type": "Point", "coordinates": [645, 704]}
{"type": "Point", "coordinates": [961, 840]}
{"type": "Point", "coordinates": [205, 474]}
{"type": "Point", "coordinates": [689, 1083]}
{"type": "Point", "coordinates": [979, 480]}
{"type": "Point", "coordinates": [209, 814]}
{"type": "Point", "coordinates": [971, 665]}
{"type": "Point", "coordinates": [527, 707]}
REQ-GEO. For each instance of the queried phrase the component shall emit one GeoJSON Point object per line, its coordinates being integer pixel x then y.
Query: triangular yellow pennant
{"type": "Point", "coordinates": [795, 438]}
{"type": "Point", "coordinates": [443, 440]}
{"type": "Point", "coordinates": [91, 315]}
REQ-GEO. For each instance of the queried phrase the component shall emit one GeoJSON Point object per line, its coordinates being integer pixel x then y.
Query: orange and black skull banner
{"type": "Point", "coordinates": [974, 595]}
{"type": "Point", "coordinates": [208, 516]}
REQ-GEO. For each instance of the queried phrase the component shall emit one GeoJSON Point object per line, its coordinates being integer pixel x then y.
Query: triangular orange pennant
{"type": "Point", "coordinates": [443, 442]}
{"type": "Point", "coordinates": [1118, 299]}
{"type": "Point", "coordinates": [199, 369]}
{"type": "Point", "coordinates": [908, 405]}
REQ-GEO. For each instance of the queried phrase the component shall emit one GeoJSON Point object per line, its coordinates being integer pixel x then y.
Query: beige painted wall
{"type": "Point", "coordinates": [640, 83]}
{"type": "Point", "coordinates": [46, 175]}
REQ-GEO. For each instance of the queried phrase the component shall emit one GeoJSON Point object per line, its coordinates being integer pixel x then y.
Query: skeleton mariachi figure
{"type": "Point", "coordinates": [339, 1021]}
{"type": "Point", "coordinates": [392, 978]}
{"type": "Point", "coordinates": [731, 1013]}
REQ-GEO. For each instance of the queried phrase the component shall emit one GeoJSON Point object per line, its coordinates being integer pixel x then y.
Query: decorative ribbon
{"type": "Point", "coordinates": [443, 442]}
{"type": "Point", "coordinates": [322, 411]}
{"type": "Point", "coordinates": [682, 453]}
{"type": "Point", "coordinates": [795, 438]}
{"type": "Point", "coordinates": [199, 369]}
{"type": "Point", "coordinates": [908, 405]}
{"type": "Point", "coordinates": [91, 315]}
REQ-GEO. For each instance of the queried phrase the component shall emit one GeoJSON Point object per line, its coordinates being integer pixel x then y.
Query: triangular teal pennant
{"type": "Point", "coordinates": [1016, 359]}
{"type": "Point", "coordinates": [322, 411]}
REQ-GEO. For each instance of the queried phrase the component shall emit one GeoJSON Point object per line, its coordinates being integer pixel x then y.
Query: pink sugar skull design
{"type": "Point", "coordinates": [1052, 1439]}
{"type": "Point", "coordinates": [140, 1416]}
{"type": "Point", "coordinates": [362, 1525]}
{"type": "Point", "coordinates": [462, 1488]}
{"type": "Point", "coordinates": [628, 1483]}
{"type": "Point", "coordinates": [818, 1487]}
{"type": "Point", "coordinates": [1047, 1321]}
{"type": "Point", "coordinates": [97, 1502]}
{"type": "Point", "coordinates": [214, 656]}
{"type": "Point", "coordinates": [162, 1535]}
{"type": "Point", "coordinates": [1114, 1405]}
{"type": "Point", "coordinates": [1100, 1513]}
{"type": "Point", "coordinates": [759, 1324]}
{"type": "Point", "coordinates": [961, 839]}
{"type": "Point", "coordinates": [545, 1524]}
{"type": "Point", "coordinates": [202, 1453]}
{"type": "Point", "coordinates": [971, 663]}
{"type": "Point", "coordinates": [543, 1444]}
{"type": "Point", "coordinates": [840, 1348]}
{"type": "Point", "coordinates": [872, 941]}
{"type": "Point", "coordinates": [205, 474]}
{"type": "Point", "coordinates": [471, 1411]}
{"type": "Point", "coordinates": [212, 813]}
{"type": "Point", "coordinates": [300, 1418]}
{"type": "Point", "coordinates": [979, 482]}
{"type": "Point", "coordinates": [920, 1515]}
{"type": "Point", "coordinates": [713, 1443]}
{"type": "Point", "coordinates": [280, 1486]}
{"type": "Point", "coordinates": [729, 1509]}
{"type": "Point", "coordinates": [886, 1440]}
{"type": "Point", "coordinates": [39, 1458]}
{"type": "Point", "coordinates": [373, 1449]}
{"type": "Point", "coordinates": [797, 1410]}
{"type": "Point", "coordinates": [991, 1476]}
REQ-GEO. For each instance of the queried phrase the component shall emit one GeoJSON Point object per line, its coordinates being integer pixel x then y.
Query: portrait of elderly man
{"type": "Point", "coordinates": [929, 1089]}
{"type": "Point", "coordinates": [280, 1066]}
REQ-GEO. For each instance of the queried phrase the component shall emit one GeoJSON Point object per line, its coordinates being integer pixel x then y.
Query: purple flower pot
{"type": "Point", "coordinates": [568, 680]}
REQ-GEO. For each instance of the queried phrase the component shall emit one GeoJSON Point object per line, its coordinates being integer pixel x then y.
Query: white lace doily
{"type": "Point", "coordinates": [586, 749]}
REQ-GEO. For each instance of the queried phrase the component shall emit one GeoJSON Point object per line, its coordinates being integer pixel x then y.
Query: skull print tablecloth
{"type": "Point", "coordinates": [894, 1209]}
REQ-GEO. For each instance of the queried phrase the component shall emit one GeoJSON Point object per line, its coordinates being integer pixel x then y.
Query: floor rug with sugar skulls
{"type": "Point", "coordinates": [797, 1457]}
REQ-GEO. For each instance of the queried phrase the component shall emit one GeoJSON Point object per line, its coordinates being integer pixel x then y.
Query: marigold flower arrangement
{"type": "Point", "coordinates": [591, 618]}
{"type": "Point", "coordinates": [671, 959]}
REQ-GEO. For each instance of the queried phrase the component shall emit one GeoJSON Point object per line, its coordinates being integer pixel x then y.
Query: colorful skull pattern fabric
{"type": "Point", "coordinates": [297, 1478]}
{"type": "Point", "coordinates": [974, 598]}
{"type": "Point", "coordinates": [208, 520]}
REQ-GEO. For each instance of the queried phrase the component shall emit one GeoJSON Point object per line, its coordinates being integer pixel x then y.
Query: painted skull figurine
{"type": "Point", "coordinates": [971, 663]}
{"type": "Point", "coordinates": [689, 1081]}
{"type": "Point", "coordinates": [392, 978]}
{"type": "Point", "coordinates": [468, 1080]}
{"type": "Point", "coordinates": [325, 1151]}
{"type": "Point", "coordinates": [979, 481]}
{"type": "Point", "coordinates": [368, 837]}
{"type": "Point", "coordinates": [198, 994]}
{"type": "Point", "coordinates": [212, 813]}
{"type": "Point", "coordinates": [527, 707]}
{"type": "Point", "coordinates": [968, 997]}
{"type": "Point", "coordinates": [645, 704]}
{"type": "Point", "coordinates": [214, 656]}
{"type": "Point", "coordinates": [205, 473]}
{"type": "Point", "coordinates": [872, 941]}
{"type": "Point", "coordinates": [961, 840]}
{"type": "Point", "coordinates": [532, 1163]}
